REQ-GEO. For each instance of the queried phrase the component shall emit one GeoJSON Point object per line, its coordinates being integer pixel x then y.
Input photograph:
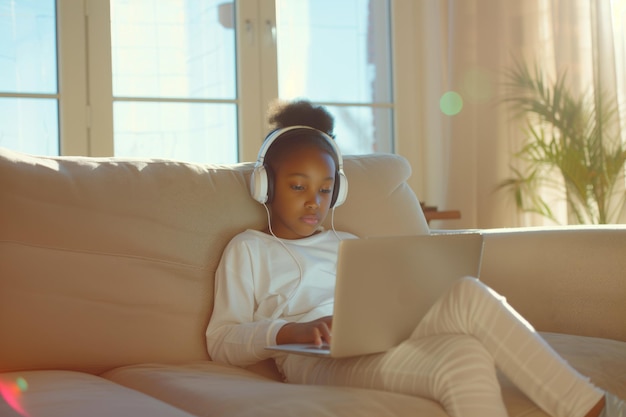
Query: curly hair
{"type": "Point", "coordinates": [300, 112]}
{"type": "Point", "coordinates": [284, 114]}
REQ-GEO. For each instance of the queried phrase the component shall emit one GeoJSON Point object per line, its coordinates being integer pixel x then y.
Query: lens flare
{"type": "Point", "coordinates": [11, 392]}
{"type": "Point", "coordinates": [451, 103]}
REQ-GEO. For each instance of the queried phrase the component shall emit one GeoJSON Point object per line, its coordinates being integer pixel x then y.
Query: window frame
{"type": "Point", "coordinates": [85, 78]}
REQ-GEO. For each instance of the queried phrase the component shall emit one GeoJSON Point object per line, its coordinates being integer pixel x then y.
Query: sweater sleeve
{"type": "Point", "coordinates": [232, 335]}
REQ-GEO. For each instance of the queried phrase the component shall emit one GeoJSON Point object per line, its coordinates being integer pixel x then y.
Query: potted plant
{"type": "Point", "coordinates": [573, 147]}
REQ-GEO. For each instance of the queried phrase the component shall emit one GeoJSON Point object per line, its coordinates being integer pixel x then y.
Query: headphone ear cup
{"type": "Point", "coordinates": [259, 184]}
{"type": "Point", "coordinates": [269, 175]}
{"type": "Point", "coordinates": [340, 193]}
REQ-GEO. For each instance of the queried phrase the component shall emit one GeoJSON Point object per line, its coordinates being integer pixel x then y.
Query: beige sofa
{"type": "Point", "coordinates": [106, 279]}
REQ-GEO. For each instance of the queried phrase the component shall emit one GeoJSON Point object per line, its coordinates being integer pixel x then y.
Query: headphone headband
{"type": "Point", "coordinates": [275, 134]}
{"type": "Point", "coordinates": [261, 183]}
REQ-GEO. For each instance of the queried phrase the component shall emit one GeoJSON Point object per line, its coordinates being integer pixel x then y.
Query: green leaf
{"type": "Point", "coordinates": [576, 137]}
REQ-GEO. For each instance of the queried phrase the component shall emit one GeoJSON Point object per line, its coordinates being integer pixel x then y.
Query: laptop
{"type": "Point", "coordinates": [385, 286]}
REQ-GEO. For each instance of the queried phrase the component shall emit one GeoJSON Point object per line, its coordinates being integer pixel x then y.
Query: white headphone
{"type": "Point", "coordinates": [261, 184]}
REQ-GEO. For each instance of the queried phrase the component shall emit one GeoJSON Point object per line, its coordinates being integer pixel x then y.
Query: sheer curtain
{"type": "Point", "coordinates": [466, 46]}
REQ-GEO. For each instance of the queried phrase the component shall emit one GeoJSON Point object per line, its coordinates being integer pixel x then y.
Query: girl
{"type": "Point", "coordinates": [276, 286]}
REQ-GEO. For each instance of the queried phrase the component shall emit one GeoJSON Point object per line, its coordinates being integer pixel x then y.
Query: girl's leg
{"type": "Point", "coordinates": [472, 308]}
{"type": "Point", "coordinates": [454, 370]}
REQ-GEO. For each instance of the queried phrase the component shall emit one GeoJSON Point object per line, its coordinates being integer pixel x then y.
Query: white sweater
{"type": "Point", "coordinates": [262, 283]}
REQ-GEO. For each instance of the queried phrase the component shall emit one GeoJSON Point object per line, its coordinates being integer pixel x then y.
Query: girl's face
{"type": "Point", "coordinates": [303, 189]}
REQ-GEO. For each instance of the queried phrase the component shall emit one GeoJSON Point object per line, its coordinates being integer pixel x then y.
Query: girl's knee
{"type": "Point", "coordinates": [465, 287]}
{"type": "Point", "coordinates": [467, 282]}
{"type": "Point", "coordinates": [473, 288]}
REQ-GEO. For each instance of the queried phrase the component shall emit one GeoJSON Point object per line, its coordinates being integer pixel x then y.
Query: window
{"type": "Point", "coordinates": [28, 77]}
{"type": "Point", "coordinates": [188, 79]}
{"type": "Point", "coordinates": [174, 80]}
{"type": "Point", "coordinates": [338, 53]}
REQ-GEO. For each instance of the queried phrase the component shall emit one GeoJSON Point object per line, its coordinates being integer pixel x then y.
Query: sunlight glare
{"type": "Point", "coordinates": [11, 392]}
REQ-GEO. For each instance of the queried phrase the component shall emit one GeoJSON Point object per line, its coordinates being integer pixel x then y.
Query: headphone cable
{"type": "Point", "coordinates": [280, 309]}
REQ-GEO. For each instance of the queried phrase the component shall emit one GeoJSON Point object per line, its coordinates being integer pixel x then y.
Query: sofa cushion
{"type": "Point", "coordinates": [108, 262]}
{"type": "Point", "coordinates": [230, 391]}
{"type": "Point", "coordinates": [64, 393]}
{"type": "Point", "coordinates": [212, 389]}
{"type": "Point", "coordinates": [602, 360]}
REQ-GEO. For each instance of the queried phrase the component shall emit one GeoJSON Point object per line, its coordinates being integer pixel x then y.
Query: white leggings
{"type": "Point", "coordinates": [452, 355]}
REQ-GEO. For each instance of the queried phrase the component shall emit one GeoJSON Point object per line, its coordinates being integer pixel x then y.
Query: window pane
{"type": "Point", "coordinates": [29, 125]}
{"type": "Point", "coordinates": [363, 130]}
{"type": "Point", "coordinates": [195, 132]}
{"type": "Point", "coordinates": [332, 50]}
{"type": "Point", "coordinates": [28, 46]}
{"type": "Point", "coordinates": [173, 48]}
{"type": "Point", "coordinates": [339, 52]}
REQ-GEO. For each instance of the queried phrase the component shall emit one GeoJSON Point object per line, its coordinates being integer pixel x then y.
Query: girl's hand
{"type": "Point", "coordinates": [317, 332]}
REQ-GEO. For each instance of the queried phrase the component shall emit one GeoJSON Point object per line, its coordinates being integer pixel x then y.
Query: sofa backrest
{"type": "Point", "coordinates": [108, 262]}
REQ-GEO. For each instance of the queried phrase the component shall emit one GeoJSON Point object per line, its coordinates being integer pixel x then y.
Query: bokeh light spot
{"type": "Point", "coordinates": [22, 384]}
{"type": "Point", "coordinates": [451, 103]}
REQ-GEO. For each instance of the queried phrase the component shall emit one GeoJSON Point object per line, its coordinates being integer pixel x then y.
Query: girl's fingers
{"type": "Point", "coordinates": [324, 333]}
